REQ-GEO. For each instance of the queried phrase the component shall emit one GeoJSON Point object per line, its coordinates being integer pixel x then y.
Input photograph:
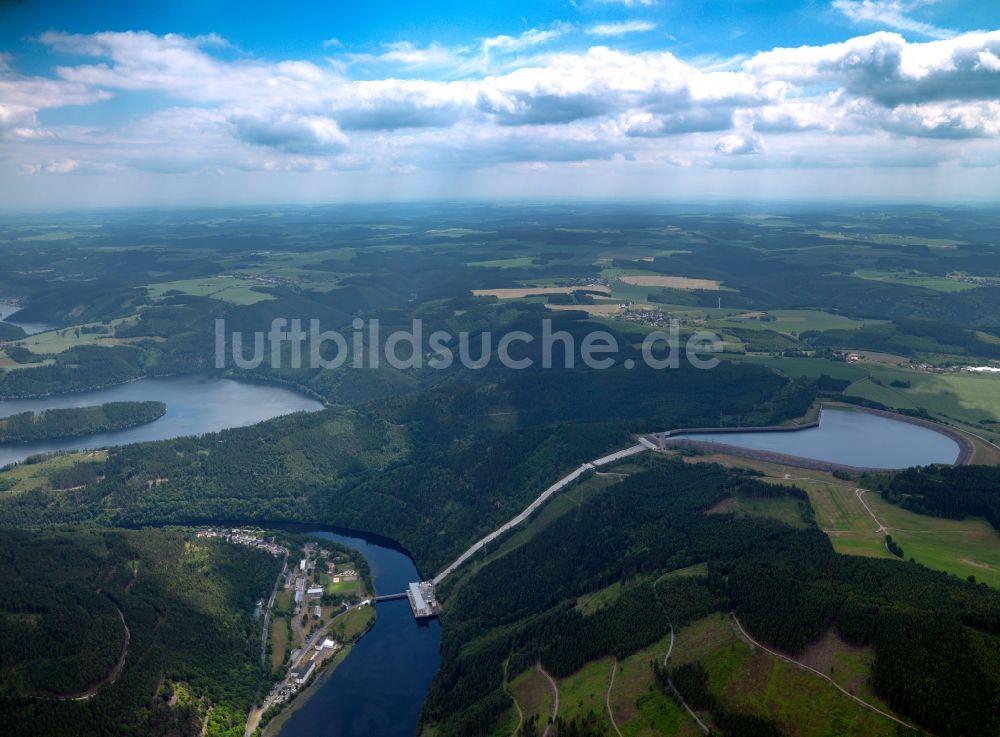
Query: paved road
{"type": "Point", "coordinates": [531, 508]}
{"type": "Point", "coordinates": [860, 493]}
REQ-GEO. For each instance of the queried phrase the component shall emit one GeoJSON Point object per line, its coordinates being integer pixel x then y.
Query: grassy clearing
{"type": "Point", "coordinates": [237, 290]}
{"type": "Point", "coordinates": [783, 509]}
{"type": "Point", "coordinates": [29, 476]}
{"type": "Point", "coordinates": [640, 709]}
{"type": "Point", "coordinates": [279, 642]}
{"type": "Point", "coordinates": [698, 569]}
{"type": "Point", "coordinates": [751, 681]}
{"type": "Point", "coordinates": [533, 695]}
{"type": "Point", "coordinates": [583, 692]}
{"type": "Point", "coordinates": [597, 600]}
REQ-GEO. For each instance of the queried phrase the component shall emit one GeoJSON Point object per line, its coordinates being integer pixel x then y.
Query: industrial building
{"type": "Point", "coordinates": [422, 599]}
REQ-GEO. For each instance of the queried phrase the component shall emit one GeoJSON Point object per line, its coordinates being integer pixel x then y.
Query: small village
{"type": "Point", "coordinates": [247, 537]}
{"type": "Point", "coordinates": [320, 607]}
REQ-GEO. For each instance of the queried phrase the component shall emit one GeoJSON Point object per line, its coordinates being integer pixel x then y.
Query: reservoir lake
{"type": "Point", "coordinates": [196, 404]}
{"type": "Point", "coordinates": [8, 310]}
{"type": "Point", "coordinates": [849, 437]}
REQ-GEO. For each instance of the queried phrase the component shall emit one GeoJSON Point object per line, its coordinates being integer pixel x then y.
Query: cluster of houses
{"type": "Point", "coordinates": [651, 317]}
{"type": "Point", "coordinates": [250, 538]}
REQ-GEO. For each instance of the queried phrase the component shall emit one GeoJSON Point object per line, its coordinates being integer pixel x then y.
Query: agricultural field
{"type": "Point", "coordinates": [791, 322]}
{"type": "Point", "coordinates": [966, 397]}
{"type": "Point", "coordinates": [227, 288]}
{"type": "Point", "coordinates": [516, 262]}
{"type": "Point", "coordinates": [937, 283]}
{"type": "Point", "coordinates": [522, 292]}
{"type": "Point", "coordinates": [9, 364]}
{"type": "Point", "coordinates": [670, 282]}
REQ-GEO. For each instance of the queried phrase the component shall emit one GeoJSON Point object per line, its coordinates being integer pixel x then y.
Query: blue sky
{"type": "Point", "coordinates": [125, 103]}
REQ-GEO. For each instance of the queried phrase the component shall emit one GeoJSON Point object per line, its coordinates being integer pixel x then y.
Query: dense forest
{"type": "Point", "coordinates": [76, 422]}
{"type": "Point", "coordinates": [191, 660]}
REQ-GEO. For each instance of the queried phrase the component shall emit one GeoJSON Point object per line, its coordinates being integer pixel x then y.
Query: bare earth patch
{"type": "Point", "coordinates": [673, 282]}
{"type": "Point", "coordinates": [975, 564]}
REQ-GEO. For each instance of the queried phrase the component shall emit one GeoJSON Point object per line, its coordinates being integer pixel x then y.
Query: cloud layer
{"type": "Point", "coordinates": [872, 100]}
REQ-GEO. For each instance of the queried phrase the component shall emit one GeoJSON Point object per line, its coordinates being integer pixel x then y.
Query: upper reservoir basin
{"type": "Point", "coordinates": [850, 438]}
{"type": "Point", "coordinates": [196, 404]}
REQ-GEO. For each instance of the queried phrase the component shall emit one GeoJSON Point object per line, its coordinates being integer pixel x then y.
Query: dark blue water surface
{"type": "Point", "coordinates": [379, 689]}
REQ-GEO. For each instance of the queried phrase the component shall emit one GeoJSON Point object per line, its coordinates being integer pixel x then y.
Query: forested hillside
{"type": "Point", "coordinates": [191, 658]}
